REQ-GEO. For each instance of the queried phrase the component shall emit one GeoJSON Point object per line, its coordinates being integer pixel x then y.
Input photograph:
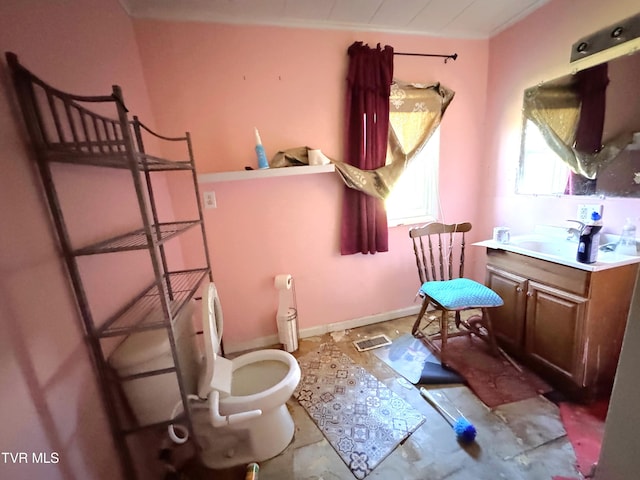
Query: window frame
{"type": "Point", "coordinates": [427, 162]}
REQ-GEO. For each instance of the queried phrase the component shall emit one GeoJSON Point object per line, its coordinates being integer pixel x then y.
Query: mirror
{"type": "Point", "coordinates": [581, 133]}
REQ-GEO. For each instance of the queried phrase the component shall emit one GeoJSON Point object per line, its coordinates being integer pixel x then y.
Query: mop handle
{"type": "Point", "coordinates": [446, 415]}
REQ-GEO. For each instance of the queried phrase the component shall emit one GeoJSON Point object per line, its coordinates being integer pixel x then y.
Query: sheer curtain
{"type": "Point", "coordinates": [555, 110]}
{"type": "Point", "coordinates": [364, 220]}
{"type": "Point", "coordinates": [415, 113]}
{"type": "Point", "coordinates": [571, 119]}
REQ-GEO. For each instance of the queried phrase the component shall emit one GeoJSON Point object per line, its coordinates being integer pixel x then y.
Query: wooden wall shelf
{"type": "Point", "coordinates": [264, 173]}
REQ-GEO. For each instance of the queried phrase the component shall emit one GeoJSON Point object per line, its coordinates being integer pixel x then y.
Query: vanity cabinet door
{"type": "Point", "coordinates": [555, 325]}
{"type": "Point", "coordinates": [508, 320]}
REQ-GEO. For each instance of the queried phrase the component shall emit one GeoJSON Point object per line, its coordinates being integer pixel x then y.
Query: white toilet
{"type": "Point", "coordinates": [238, 407]}
{"type": "Point", "coordinates": [245, 418]}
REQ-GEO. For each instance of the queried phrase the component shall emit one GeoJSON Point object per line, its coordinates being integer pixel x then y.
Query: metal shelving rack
{"type": "Point", "coordinates": [62, 129]}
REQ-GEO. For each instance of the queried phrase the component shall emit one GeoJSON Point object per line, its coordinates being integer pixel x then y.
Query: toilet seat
{"type": "Point", "coordinates": [244, 416]}
{"type": "Point", "coordinates": [278, 368]}
{"type": "Point", "coordinates": [217, 369]}
{"type": "Point", "coordinates": [277, 394]}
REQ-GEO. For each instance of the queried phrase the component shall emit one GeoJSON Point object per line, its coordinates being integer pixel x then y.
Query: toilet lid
{"type": "Point", "coordinates": [211, 319]}
{"type": "Point", "coordinates": [212, 333]}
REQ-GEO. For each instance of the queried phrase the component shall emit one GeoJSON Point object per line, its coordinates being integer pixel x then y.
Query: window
{"type": "Point", "coordinates": [542, 171]}
{"type": "Point", "coordinates": [415, 199]}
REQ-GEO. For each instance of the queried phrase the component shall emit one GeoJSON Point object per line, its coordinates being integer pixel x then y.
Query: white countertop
{"type": "Point", "coordinates": [605, 260]}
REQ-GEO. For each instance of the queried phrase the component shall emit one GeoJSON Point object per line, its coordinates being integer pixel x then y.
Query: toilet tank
{"type": "Point", "coordinates": [153, 398]}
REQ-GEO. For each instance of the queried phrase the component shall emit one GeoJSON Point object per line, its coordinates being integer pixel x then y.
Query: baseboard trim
{"type": "Point", "coordinates": [358, 322]}
{"type": "Point", "coordinates": [271, 340]}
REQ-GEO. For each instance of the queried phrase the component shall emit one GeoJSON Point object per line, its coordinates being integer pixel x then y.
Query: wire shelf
{"type": "Point", "coordinates": [145, 162]}
{"type": "Point", "coordinates": [79, 130]}
{"type": "Point", "coordinates": [137, 239]}
{"type": "Point", "coordinates": [145, 311]}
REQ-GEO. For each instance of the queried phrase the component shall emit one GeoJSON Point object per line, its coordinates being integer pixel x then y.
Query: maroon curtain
{"type": "Point", "coordinates": [591, 85]}
{"type": "Point", "coordinates": [592, 89]}
{"type": "Point", "coordinates": [364, 219]}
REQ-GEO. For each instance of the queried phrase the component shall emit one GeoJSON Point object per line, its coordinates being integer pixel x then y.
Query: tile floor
{"type": "Point", "coordinates": [522, 440]}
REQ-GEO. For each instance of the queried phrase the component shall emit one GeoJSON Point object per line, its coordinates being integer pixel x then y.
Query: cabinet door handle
{"type": "Point", "coordinates": [519, 289]}
{"type": "Point", "coordinates": [529, 294]}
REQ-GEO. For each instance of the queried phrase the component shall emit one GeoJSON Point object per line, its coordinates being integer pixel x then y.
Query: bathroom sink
{"type": "Point", "coordinates": [550, 246]}
{"type": "Point", "coordinates": [558, 249]}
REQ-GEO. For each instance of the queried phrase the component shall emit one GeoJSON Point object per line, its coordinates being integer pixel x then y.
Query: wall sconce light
{"type": "Point", "coordinates": [582, 47]}
{"type": "Point", "coordinates": [617, 32]}
{"type": "Point", "coordinates": [608, 37]}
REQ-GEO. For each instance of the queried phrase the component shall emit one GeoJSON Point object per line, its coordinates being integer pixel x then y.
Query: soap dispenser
{"type": "Point", "coordinates": [627, 245]}
{"type": "Point", "coordinates": [590, 240]}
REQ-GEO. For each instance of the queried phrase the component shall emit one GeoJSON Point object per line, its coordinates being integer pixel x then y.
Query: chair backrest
{"type": "Point", "coordinates": [436, 247]}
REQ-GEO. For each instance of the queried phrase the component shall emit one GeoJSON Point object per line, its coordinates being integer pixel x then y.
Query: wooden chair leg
{"type": "Point", "coordinates": [494, 344]}
{"type": "Point", "coordinates": [444, 333]}
{"type": "Point", "coordinates": [486, 317]}
{"type": "Point", "coordinates": [457, 319]}
{"type": "Point", "coordinates": [427, 339]}
{"type": "Point", "coordinates": [415, 331]}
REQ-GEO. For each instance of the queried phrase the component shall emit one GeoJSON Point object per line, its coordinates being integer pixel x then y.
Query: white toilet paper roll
{"type": "Point", "coordinates": [283, 281]}
{"type": "Point", "coordinates": [287, 315]}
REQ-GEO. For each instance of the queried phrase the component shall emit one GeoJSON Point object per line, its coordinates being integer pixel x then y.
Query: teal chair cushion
{"type": "Point", "coordinates": [460, 293]}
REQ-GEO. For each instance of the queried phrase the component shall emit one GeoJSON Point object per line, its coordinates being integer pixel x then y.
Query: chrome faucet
{"type": "Point", "coordinates": [574, 233]}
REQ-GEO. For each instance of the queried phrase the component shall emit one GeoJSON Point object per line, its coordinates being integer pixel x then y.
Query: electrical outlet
{"type": "Point", "coordinates": [210, 200]}
{"type": "Point", "coordinates": [585, 210]}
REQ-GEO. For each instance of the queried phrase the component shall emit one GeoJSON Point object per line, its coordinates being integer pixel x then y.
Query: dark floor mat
{"type": "Point", "coordinates": [437, 374]}
{"type": "Point", "coordinates": [411, 358]}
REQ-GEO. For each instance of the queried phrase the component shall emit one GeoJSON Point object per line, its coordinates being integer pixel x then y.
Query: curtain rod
{"type": "Point", "coordinates": [446, 57]}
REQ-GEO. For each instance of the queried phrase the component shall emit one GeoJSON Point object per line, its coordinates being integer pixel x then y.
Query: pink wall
{"type": "Point", "coordinates": [220, 81]}
{"type": "Point", "coordinates": [533, 50]}
{"type": "Point", "coordinates": [49, 401]}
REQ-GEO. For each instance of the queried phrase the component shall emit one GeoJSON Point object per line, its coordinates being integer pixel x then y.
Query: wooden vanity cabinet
{"type": "Point", "coordinates": [565, 323]}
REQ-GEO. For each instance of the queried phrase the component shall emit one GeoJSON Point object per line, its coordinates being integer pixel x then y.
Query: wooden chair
{"type": "Point", "coordinates": [440, 255]}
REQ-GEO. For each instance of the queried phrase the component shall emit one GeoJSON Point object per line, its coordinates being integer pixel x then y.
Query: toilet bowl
{"type": "Point", "coordinates": [253, 422]}
{"type": "Point", "coordinates": [245, 417]}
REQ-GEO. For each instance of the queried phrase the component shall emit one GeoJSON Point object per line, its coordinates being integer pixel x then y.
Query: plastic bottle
{"type": "Point", "coordinates": [627, 245]}
{"type": "Point", "coordinates": [590, 240]}
{"type": "Point", "coordinates": [262, 157]}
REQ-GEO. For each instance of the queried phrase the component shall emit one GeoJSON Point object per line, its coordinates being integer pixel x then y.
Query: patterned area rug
{"type": "Point", "coordinates": [362, 419]}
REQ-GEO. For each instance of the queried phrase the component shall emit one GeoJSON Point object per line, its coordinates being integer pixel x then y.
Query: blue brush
{"type": "Point", "coordinates": [465, 431]}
